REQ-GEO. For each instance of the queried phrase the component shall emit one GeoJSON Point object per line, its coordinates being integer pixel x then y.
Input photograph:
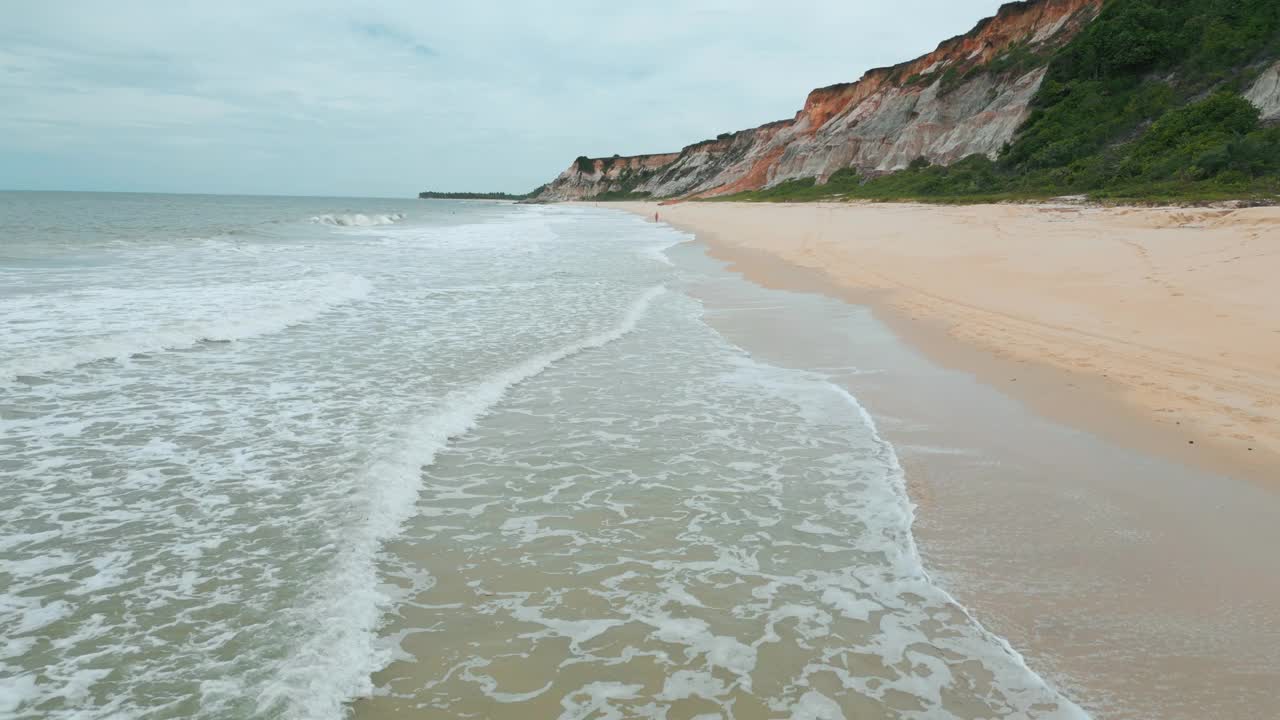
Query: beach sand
{"type": "Point", "coordinates": [1159, 328]}
{"type": "Point", "coordinates": [1133, 572]}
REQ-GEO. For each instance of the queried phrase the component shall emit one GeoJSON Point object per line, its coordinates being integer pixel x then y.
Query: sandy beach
{"type": "Point", "coordinates": [1128, 564]}
{"type": "Point", "coordinates": [1159, 328]}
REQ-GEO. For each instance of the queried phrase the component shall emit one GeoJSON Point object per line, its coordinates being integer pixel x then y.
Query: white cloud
{"type": "Point", "coordinates": [399, 96]}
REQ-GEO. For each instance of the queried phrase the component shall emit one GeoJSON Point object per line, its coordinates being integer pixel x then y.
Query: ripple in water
{"type": "Point", "coordinates": [673, 530]}
{"type": "Point", "coordinates": [468, 461]}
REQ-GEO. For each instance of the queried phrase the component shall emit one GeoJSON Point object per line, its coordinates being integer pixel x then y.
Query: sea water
{"type": "Point", "coordinates": [314, 458]}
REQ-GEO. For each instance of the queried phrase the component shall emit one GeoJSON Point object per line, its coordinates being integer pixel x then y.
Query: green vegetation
{"type": "Point", "coordinates": [974, 179]}
{"type": "Point", "coordinates": [1138, 60]}
{"type": "Point", "coordinates": [1019, 59]}
{"type": "Point", "coordinates": [843, 182]}
{"type": "Point", "coordinates": [585, 164]}
{"type": "Point", "coordinates": [433, 195]}
{"type": "Point", "coordinates": [620, 195]}
{"type": "Point", "coordinates": [1143, 104]}
{"type": "Point", "coordinates": [624, 186]}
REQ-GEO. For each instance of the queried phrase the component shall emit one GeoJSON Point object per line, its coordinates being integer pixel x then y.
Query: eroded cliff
{"type": "Point", "coordinates": [1265, 94]}
{"type": "Point", "coordinates": [967, 97]}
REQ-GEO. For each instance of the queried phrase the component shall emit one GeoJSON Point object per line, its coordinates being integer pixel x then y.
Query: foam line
{"type": "Point", "coordinates": [310, 300]}
{"type": "Point", "coordinates": [335, 665]}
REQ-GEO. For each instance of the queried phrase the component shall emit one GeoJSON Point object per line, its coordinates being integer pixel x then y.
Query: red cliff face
{"type": "Point", "coordinates": [968, 96]}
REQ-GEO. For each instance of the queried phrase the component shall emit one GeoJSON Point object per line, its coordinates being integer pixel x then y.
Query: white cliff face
{"type": "Point", "coordinates": [616, 174]}
{"type": "Point", "coordinates": [1265, 93]}
{"type": "Point", "coordinates": [964, 98]}
{"type": "Point", "coordinates": [708, 165]}
{"type": "Point", "coordinates": [974, 118]}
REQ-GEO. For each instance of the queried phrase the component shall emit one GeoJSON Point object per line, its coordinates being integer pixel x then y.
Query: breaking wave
{"type": "Point", "coordinates": [358, 219]}
{"type": "Point", "coordinates": [141, 321]}
{"type": "Point", "coordinates": [336, 664]}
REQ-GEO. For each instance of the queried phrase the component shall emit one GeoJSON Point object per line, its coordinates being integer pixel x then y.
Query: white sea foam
{"type": "Point", "coordinates": [1021, 681]}
{"type": "Point", "coordinates": [232, 521]}
{"type": "Point", "coordinates": [169, 508]}
{"type": "Point", "coordinates": [596, 700]}
{"type": "Point", "coordinates": [15, 690]}
{"type": "Point", "coordinates": [335, 665]}
{"type": "Point", "coordinates": [762, 510]}
{"type": "Point", "coordinates": [142, 321]}
{"type": "Point", "coordinates": [658, 251]}
{"type": "Point", "coordinates": [358, 219]}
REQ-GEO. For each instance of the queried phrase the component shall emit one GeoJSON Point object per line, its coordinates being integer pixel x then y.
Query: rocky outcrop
{"type": "Point", "coordinates": [967, 97]}
{"type": "Point", "coordinates": [588, 177]}
{"type": "Point", "coordinates": [1265, 93]}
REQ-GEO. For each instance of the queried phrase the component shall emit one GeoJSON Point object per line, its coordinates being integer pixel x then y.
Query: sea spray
{"type": "Point", "coordinates": [357, 219]}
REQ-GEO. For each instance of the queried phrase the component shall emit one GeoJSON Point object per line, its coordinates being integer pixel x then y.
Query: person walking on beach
{"type": "Point", "coordinates": [655, 217]}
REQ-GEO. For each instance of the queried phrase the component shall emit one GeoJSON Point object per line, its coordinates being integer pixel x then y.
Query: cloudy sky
{"type": "Point", "coordinates": [314, 97]}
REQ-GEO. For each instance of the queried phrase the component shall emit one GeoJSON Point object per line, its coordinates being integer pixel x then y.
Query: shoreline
{"type": "Point", "coordinates": [1161, 395]}
{"type": "Point", "coordinates": [1127, 580]}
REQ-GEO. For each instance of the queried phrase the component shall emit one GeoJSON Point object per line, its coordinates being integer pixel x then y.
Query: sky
{"type": "Point", "coordinates": [384, 99]}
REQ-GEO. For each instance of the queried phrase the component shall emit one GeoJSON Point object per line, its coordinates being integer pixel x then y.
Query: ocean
{"type": "Point", "coordinates": [322, 458]}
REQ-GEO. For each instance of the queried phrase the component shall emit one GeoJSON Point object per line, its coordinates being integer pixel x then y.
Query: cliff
{"type": "Point", "coordinates": [1265, 94]}
{"type": "Point", "coordinates": [967, 97]}
{"type": "Point", "coordinates": [588, 177]}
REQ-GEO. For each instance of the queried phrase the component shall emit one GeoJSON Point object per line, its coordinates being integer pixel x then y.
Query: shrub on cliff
{"type": "Point", "coordinates": [1200, 140]}
{"type": "Point", "coordinates": [1144, 103]}
{"type": "Point", "coordinates": [1134, 63]}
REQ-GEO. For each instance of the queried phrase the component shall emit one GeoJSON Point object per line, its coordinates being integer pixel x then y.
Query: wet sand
{"type": "Point", "coordinates": [664, 528]}
{"type": "Point", "coordinates": [1140, 585]}
{"type": "Point", "coordinates": [1138, 581]}
{"type": "Point", "coordinates": [1142, 588]}
{"type": "Point", "coordinates": [1158, 328]}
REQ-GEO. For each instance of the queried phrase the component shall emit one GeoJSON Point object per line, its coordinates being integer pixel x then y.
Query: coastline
{"type": "Point", "coordinates": [1127, 579]}
{"type": "Point", "coordinates": [1150, 327]}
